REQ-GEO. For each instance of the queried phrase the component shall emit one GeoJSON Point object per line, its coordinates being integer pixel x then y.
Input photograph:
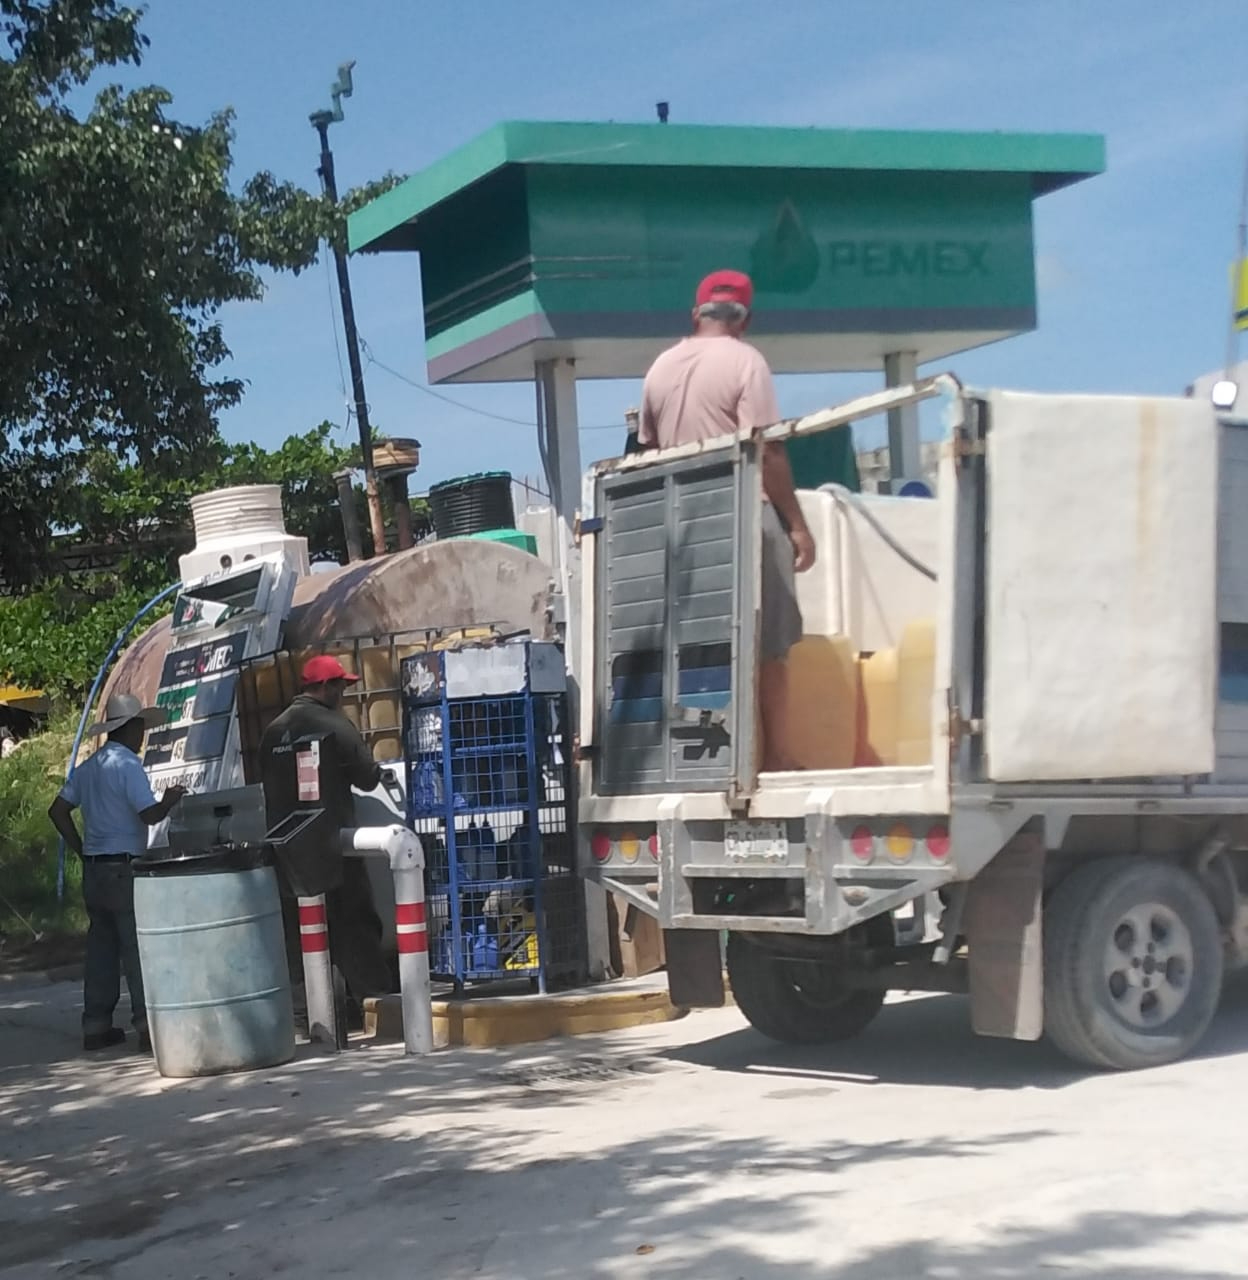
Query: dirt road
{"type": "Point", "coordinates": [695, 1149]}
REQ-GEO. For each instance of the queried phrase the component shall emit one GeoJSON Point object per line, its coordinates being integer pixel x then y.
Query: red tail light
{"type": "Point", "coordinates": [862, 843]}
{"type": "Point", "coordinates": [938, 843]}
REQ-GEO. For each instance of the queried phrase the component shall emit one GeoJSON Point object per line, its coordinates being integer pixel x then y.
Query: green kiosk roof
{"type": "Point", "coordinates": [586, 241]}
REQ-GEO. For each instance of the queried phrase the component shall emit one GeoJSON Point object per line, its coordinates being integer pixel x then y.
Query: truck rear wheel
{"type": "Point", "coordinates": [796, 1001]}
{"type": "Point", "coordinates": [1132, 963]}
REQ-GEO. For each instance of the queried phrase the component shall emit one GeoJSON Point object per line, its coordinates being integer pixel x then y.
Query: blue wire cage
{"type": "Point", "coordinates": [486, 749]}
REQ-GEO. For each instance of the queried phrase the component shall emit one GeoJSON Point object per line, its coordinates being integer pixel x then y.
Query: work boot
{"type": "Point", "coordinates": [145, 1041]}
{"type": "Point", "coordinates": [95, 1040]}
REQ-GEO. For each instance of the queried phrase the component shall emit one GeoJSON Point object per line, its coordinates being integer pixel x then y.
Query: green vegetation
{"type": "Point", "coordinates": [134, 237]}
{"type": "Point", "coordinates": [149, 514]}
{"type": "Point", "coordinates": [29, 781]}
{"type": "Point", "coordinates": [56, 634]}
{"type": "Point", "coordinates": [56, 637]}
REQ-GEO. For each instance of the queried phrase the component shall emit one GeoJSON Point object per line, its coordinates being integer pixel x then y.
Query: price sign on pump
{"type": "Point", "coordinates": [218, 622]}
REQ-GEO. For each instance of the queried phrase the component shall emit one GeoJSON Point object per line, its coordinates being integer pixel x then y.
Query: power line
{"type": "Point", "coordinates": [437, 395]}
{"type": "Point", "coordinates": [459, 404]}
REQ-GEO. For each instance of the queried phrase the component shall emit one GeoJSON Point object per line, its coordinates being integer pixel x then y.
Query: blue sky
{"type": "Point", "coordinates": [1132, 265]}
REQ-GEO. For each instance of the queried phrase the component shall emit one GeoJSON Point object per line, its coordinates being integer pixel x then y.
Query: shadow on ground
{"type": "Point", "coordinates": [238, 1169]}
{"type": "Point", "coordinates": [1069, 1250]}
{"type": "Point", "coordinates": [445, 1168]}
{"type": "Point", "coordinates": [929, 1042]}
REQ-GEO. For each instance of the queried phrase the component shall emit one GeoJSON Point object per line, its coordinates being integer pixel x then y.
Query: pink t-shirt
{"type": "Point", "coordinates": [706, 387]}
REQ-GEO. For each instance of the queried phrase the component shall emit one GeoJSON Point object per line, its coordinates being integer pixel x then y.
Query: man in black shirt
{"type": "Point", "coordinates": [346, 762]}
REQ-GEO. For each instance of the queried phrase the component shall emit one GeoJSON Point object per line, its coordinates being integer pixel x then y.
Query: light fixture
{"type": "Point", "coordinates": [1224, 394]}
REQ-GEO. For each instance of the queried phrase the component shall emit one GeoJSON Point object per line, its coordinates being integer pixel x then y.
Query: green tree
{"type": "Point", "coordinates": [305, 467]}
{"type": "Point", "coordinates": [107, 500]}
{"type": "Point", "coordinates": [55, 636]}
{"type": "Point", "coordinates": [121, 238]}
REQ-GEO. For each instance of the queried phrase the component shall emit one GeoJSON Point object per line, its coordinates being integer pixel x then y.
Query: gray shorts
{"type": "Point", "coordinates": [781, 618]}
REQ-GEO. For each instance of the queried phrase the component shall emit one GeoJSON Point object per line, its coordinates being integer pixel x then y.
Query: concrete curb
{"type": "Point", "coordinates": [504, 1020]}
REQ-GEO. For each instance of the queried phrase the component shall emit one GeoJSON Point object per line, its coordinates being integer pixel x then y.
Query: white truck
{"type": "Point", "coordinates": [1021, 709]}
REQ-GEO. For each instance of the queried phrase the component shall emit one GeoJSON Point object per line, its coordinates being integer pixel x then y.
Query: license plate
{"type": "Point", "coordinates": [756, 842]}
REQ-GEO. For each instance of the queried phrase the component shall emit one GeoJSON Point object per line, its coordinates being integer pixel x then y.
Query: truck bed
{"type": "Point", "coordinates": [880, 789]}
{"type": "Point", "coordinates": [838, 792]}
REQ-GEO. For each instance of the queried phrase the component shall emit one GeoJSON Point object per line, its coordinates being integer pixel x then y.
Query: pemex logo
{"type": "Point", "coordinates": [785, 257]}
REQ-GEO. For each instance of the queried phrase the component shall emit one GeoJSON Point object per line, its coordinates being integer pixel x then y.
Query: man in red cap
{"type": "Point", "coordinates": [346, 762]}
{"type": "Point", "coordinates": [710, 384]}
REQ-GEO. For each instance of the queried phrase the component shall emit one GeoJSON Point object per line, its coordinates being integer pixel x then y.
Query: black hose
{"type": "Point", "coordinates": [850, 499]}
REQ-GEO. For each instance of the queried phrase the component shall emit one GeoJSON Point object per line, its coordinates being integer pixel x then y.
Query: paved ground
{"type": "Point", "coordinates": [695, 1149]}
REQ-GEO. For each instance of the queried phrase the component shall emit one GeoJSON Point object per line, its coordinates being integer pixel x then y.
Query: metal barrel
{"type": "Point", "coordinates": [214, 964]}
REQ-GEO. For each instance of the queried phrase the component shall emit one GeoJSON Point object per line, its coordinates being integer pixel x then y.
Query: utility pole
{"type": "Point", "coordinates": [321, 120]}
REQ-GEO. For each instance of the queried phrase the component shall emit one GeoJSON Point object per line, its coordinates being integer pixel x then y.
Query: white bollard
{"type": "Point", "coordinates": [407, 862]}
{"type": "Point", "coordinates": [318, 974]}
{"type": "Point", "coordinates": [412, 931]}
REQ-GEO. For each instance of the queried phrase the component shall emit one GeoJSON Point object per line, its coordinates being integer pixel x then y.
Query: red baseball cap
{"type": "Point", "coordinates": [323, 669]}
{"type": "Point", "coordinates": [726, 286]}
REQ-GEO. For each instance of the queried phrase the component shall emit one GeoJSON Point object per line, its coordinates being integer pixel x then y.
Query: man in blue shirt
{"type": "Point", "coordinates": [118, 806]}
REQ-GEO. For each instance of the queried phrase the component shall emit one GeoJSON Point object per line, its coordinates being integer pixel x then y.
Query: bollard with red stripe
{"type": "Point", "coordinates": [318, 973]}
{"type": "Point", "coordinates": [402, 847]}
{"type": "Point", "coordinates": [412, 932]}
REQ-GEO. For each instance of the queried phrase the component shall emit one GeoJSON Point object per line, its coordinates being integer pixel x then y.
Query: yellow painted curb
{"type": "Point", "coordinates": [480, 1024]}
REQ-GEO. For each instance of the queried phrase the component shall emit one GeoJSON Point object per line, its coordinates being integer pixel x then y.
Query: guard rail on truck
{"type": "Point", "coordinates": [1021, 708]}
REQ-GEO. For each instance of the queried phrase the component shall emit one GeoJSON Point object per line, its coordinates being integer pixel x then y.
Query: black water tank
{"type": "Point", "coordinates": [472, 504]}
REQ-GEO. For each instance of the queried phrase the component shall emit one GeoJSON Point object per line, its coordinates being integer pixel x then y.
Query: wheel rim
{"type": "Point", "coordinates": [1148, 965]}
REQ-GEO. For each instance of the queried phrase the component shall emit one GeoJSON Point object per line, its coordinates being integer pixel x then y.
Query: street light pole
{"type": "Point", "coordinates": [321, 120]}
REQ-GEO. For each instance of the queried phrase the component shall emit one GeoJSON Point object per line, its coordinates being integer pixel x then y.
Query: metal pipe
{"type": "Point", "coordinates": [406, 854]}
{"type": "Point", "coordinates": [904, 456]}
{"type": "Point", "coordinates": [951, 924]}
{"type": "Point", "coordinates": [941, 384]}
{"type": "Point", "coordinates": [350, 519]}
{"type": "Point", "coordinates": [402, 511]}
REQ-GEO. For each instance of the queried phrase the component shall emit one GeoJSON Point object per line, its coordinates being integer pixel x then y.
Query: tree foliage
{"type": "Point", "coordinates": [121, 239]}
{"type": "Point", "coordinates": [122, 504]}
{"type": "Point", "coordinates": [55, 636]}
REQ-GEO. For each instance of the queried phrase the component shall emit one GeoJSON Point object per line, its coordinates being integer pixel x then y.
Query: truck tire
{"type": "Point", "coordinates": [1132, 963]}
{"type": "Point", "coordinates": [795, 1001]}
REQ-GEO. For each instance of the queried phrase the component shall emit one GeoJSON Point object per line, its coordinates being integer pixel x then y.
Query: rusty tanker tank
{"type": "Point", "coordinates": [369, 614]}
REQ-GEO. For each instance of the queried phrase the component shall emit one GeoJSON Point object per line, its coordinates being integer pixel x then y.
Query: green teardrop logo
{"type": "Point", "coordinates": [785, 258]}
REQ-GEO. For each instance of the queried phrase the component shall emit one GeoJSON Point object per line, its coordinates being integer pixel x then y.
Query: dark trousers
{"type": "Point", "coordinates": [354, 934]}
{"type": "Point", "coordinates": [112, 946]}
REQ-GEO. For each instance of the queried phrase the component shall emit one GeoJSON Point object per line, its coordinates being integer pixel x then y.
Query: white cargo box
{"type": "Point", "coordinates": [1101, 614]}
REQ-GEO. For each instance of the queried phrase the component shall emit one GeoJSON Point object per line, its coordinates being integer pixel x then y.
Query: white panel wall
{"type": "Point", "coordinates": [860, 586]}
{"type": "Point", "coordinates": [1101, 613]}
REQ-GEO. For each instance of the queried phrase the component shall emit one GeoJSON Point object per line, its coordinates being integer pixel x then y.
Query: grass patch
{"type": "Point", "coordinates": [29, 781]}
